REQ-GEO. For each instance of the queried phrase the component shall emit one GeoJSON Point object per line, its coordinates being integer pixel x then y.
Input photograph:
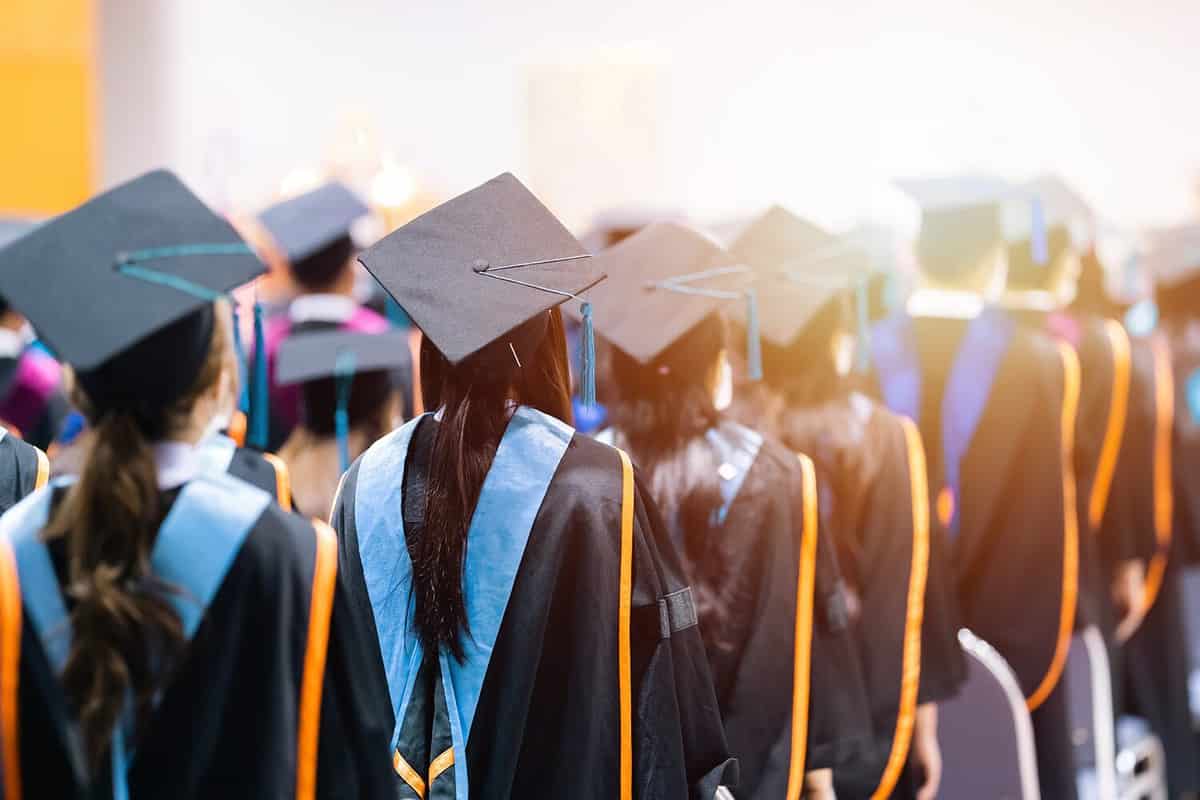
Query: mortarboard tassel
{"type": "Point", "coordinates": [239, 347]}
{"type": "Point", "coordinates": [260, 392]}
{"type": "Point", "coordinates": [1038, 249]}
{"type": "Point", "coordinates": [753, 344]}
{"type": "Point", "coordinates": [862, 313]}
{"type": "Point", "coordinates": [343, 382]}
{"type": "Point", "coordinates": [395, 314]}
{"type": "Point", "coordinates": [587, 346]}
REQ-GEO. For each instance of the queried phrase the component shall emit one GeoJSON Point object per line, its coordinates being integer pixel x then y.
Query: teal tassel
{"type": "Point", "coordinates": [587, 372]}
{"type": "Point", "coordinates": [260, 400]}
{"type": "Point", "coordinates": [1039, 250]}
{"type": "Point", "coordinates": [395, 314]}
{"type": "Point", "coordinates": [754, 368]}
{"type": "Point", "coordinates": [240, 348]}
{"type": "Point", "coordinates": [862, 350]}
{"type": "Point", "coordinates": [343, 383]}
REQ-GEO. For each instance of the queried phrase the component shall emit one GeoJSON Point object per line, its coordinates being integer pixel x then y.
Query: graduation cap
{"type": "Point", "coordinates": [340, 355]}
{"type": "Point", "coordinates": [662, 282]}
{"type": "Point", "coordinates": [313, 230]}
{"type": "Point", "coordinates": [310, 222]}
{"type": "Point", "coordinates": [799, 267]}
{"type": "Point", "coordinates": [1042, 220]}
{"type": "Point", "coordinates": [961, 221]}
{"type": "Point", "coordinates": [1172, 255]}
{"type": "Point", "coordinates": [101, 282]}
{"type": "Point", "coordinates": [477, 267]}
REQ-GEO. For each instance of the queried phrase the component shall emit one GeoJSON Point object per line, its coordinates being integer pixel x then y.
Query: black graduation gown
{"type": "Point", "coordinates": [265, 471]}
{"type": "Point", "coordinates": [1155, 657]}
{"type": "Point", "coordinates": [547, 722]}
{"type": "Point", "coordinates": [1015, 553]}
{"type": "Point", "coordinates": [226, 725]}
{"type": "Point", "coordinates": [864, 456]}
{"type": "Point", "coordinates": [760, 544]}
{"type": "Point", "coordinates": [1109, 522]}
{"type": "Point", "coordinates": [23, 468]}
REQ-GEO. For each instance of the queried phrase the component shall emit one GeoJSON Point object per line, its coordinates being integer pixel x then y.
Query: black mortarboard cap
{"type": "Point", "coordinates": [662, 282]}
{"type": "Point", "coordinates": [1172, 255]}
{"type": "Point", "coordinates": [325, 354]}
{"type": "Point", "coordinates": [337, 366]}
{"type": "Point", "coordinates": [798, 268]}
{"type": "Point", "coordinates": [97, 280]}
{"type": "Point", "coordinates": [306, 224]}
{"type": "Point", "coordinates": [961, 221]}
{"type": "Point", "coordinates": [480, 265]}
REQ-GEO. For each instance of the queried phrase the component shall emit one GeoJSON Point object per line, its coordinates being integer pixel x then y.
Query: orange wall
{"type": "Point", "coordinates": [47, 104]}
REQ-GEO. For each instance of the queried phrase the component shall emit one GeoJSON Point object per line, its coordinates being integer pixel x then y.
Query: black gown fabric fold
{"type": "Point", "coordinates": [547, 722]}
{"type": "Point", "coordinates": [1008, 556]}
{"type": "Point", "coordinates": [862, 457]}
{"type": "Point", "coordinates": [19, 466]}
{"type": "Point", "coordinates": [227, 723]}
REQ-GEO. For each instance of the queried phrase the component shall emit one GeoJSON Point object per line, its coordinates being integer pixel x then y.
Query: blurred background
{"type": "Point", "coordinates": [701, 108]}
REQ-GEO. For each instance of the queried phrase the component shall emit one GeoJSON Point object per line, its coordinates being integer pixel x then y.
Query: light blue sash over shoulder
{"type": "Point", "coordinates": [528, 457]}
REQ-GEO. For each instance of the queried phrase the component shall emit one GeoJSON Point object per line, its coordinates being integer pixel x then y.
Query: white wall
{"type": "Point", "coordinates": [814, 104]}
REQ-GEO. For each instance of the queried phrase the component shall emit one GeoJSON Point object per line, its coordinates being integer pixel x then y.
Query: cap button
{"type": "Point", "coordinates": [481, 265]}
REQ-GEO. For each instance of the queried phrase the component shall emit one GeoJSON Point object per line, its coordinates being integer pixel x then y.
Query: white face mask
{"type": "Point", "coordinates": [723, 393]}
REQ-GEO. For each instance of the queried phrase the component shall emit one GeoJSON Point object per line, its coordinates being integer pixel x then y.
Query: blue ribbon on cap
{"type": "Point", "coordinates": [343, 377]}
{"type": "Point", "coordinates": [258, 429]}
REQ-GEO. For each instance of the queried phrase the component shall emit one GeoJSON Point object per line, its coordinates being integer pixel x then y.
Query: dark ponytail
{"type": "Point", "coordinates": [661, 415]}
{"type": "Point", "coordinates": [125, 633]}
{"type": "Point", "coordinates": [474, 397]}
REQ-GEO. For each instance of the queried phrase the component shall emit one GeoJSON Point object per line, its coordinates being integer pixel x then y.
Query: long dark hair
{"type": "Point", "coordinates": [661, 414]}
{"type": "Point", "coordinates": [125, 633]}
{"type": "Point", "coordinates": [528, 367]}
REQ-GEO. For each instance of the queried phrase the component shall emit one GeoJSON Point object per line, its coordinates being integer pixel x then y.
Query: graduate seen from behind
{"type": "Point", "coordinates": [138, 590]}
{"type": "Point", "coordinates": [349, 401]}
{"type": "Point", "coordinates": [812, 288]}
{"type": "Point", "coordinates": [536, 635]}
{"type": "Point", "coordinates": [996, 405]}
{"type": "Point", "coordinates": [314, 233]}
{"type": "Point", "coordinates": [741, 509]}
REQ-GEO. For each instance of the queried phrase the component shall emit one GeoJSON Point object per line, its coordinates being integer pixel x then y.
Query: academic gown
{"type": "Point", "coordinates": [286, 400]}
{"type": "Point", "coordinates": [1109, 523]}
{"type": "Point", "coordinates": [534, 708]}
{"type": "Point", "coordinates": [872, 463]}
{"type": "Point", "coordinates": [760, 538]}
{"type": "Point", "coordinates": [23, 468]}
{"type": "Point", "coordinates": [234, 717]}
{"type": "Point", "coordinates": [31, 396]}
{"type": "Point", "coordinates": [1156, 656]}
{"type": "Point", "coordinates": [265, 471]}
{"type": "Point", "coordinates": [996, 406]}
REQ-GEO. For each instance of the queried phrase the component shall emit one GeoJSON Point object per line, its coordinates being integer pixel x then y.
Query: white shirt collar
{"type": "Point", "coordinates": [176, 462]}
{"type": "Point", "coordinates": [322, 308]}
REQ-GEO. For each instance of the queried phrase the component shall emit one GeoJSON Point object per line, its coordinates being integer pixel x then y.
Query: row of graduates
{"type": "Point", "coordinates": [516, 607]}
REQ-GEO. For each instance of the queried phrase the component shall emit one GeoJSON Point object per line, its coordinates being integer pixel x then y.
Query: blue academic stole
{"type": "Point", "coordinates": [968, 387]}
{"type": "Point", "coordinates": [512, 493]}
{"type": "Point", "coordinates": [195, 547]}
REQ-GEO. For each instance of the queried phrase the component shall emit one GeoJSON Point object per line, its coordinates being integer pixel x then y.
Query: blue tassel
{"type": "Point", "coordinates": [240, 348]}
{"type": "Point", "coordinates": [753, 344]}
{"type": "Point", "coordinates": [395, 314]}
{"type": "Point", "coordinates": [1039, 250]}
{"type": "Point", "coordinates": [343, 383]}
{"type": "Point", "coordinates": [587, 371]}
{"type": "Point", "coordinates": [862, 349]}
{"type": "Point", "coordinates": [260, 400]}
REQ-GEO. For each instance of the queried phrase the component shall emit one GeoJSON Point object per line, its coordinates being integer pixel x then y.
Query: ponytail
{"type": "Point", "coordinates": [528, 367]}
{"type": "Point", "coordinates": [126, 635]}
